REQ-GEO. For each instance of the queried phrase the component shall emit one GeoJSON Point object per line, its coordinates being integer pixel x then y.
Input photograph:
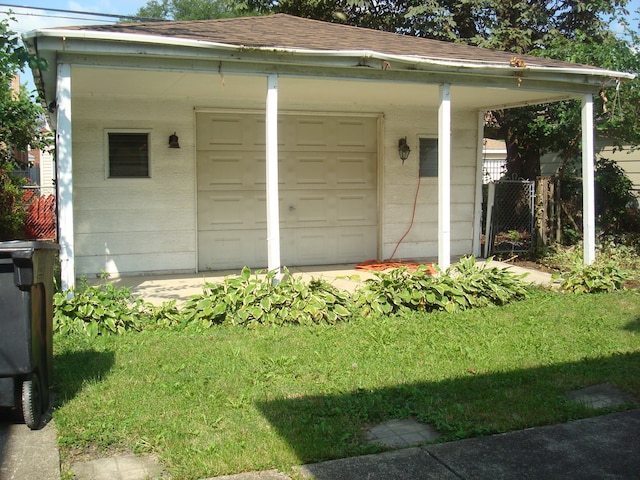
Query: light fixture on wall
{"type": "Point", "coordinates": [403, 149]}
{"type": "Point", "coordinates": [173, 141]}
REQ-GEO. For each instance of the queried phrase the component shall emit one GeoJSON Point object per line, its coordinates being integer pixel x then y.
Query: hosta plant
{"type": "Point", "coordinates": [463, 285]}
{"type": "Point", "coordinates": [102, 309]}
{"type": "Point", "coordinates": [248, 299]}
{"type": "Point", "coordinates": [596, 278]}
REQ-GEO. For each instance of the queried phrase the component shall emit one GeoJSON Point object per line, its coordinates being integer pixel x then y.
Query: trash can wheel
{"type": "Point", "coordinates": [32, 401]}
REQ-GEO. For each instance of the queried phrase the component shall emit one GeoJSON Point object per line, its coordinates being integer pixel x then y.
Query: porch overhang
{"type": "Point", "coordinates": [535, 84]}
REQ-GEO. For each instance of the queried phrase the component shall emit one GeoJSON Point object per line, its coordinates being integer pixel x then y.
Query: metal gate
{"type": "Point", "coordinates": [509, 226]}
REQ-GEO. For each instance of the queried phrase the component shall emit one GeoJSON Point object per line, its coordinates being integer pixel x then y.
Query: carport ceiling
{"type": "Point", "coordinates": [102, 81]}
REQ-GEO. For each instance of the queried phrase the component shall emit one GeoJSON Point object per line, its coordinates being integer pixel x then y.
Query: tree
{"type": "Point", "coordinates": [190, 9]}
{"type": "Point", "coordinates": [571, 30]}
{"type": "Point", "coordinates": [21, 122]}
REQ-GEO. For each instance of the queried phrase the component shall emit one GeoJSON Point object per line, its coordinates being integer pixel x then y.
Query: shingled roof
{"type": "Point", "coordinates": [290, 32]}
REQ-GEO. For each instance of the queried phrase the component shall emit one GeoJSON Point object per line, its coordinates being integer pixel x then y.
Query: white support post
{"type": "Point", "coordinates": [273, 200]}
{"type": "Point", "coordinates": [64, 185]}
{"type": "Point", "coordinates": [588, 181]}
{"type": "Point", "coordinates": [444, 177]}
{"type": "Point", "coordinates": [477, 213]}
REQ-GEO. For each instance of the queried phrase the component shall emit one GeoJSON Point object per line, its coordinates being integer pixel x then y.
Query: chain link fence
{"type": "Point", "coordinates": [509, 221]}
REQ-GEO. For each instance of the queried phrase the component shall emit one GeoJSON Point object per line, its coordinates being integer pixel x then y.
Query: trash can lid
{"type": "Point", "coordinates": [12, 245]}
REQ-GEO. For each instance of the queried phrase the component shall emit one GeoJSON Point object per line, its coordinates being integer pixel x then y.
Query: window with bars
{"type": "Point", "coordinates": [428, 157]}
{"type": "Point", "coordinates": [128, 155]}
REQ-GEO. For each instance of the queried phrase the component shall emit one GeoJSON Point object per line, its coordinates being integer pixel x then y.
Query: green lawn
{"type": "Point", "coordinates": [234, 399]}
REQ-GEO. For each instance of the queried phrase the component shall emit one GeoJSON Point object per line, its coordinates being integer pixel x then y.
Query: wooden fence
{"type": "Point", "coordinates": [41, 218]}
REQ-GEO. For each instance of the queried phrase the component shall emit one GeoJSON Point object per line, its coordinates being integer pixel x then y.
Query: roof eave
{"type": "Point", "coordinates": [49, 43]}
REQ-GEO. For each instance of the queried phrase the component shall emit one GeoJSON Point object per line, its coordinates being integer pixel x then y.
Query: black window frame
{"type": "Point", "coordinates": [128, 154]}
{"type": "Point", "coordinates": [428, 152]}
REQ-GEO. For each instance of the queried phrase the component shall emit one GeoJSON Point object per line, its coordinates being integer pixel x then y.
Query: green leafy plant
{"type": "Point", "coordinates": [614, 195]}
{"type": "Point", "coordinates": [102, 309]}
{"type": "Point", "coordinates": [596, 278]}
{"type": "Point", "coordinates": [12, 205]}
{"type": "Point", "coordinates": [463, 285]}
{"type": "Point", "coordinates": [248, 299]}
{"type": "Point", "coordinates": [615, 265]}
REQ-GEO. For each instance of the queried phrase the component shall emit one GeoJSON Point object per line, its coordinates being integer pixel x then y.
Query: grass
{"type": "Point", "coordinates": [234, 399]}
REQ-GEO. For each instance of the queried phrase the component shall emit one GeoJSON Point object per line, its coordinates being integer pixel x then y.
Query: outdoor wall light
{"type": "Point", "coordinates": [403, 149]}
{"type": "Point", "coordinates": [173, 141]}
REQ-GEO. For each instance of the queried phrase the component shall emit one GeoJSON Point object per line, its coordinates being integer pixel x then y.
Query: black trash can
{"type": "Point", "coordinates": [26, 327]}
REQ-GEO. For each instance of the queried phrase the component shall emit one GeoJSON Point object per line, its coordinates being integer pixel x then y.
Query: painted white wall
{"type": "Point", "coordinates": [401, 181]}
{"type": "Point", "coordinates": [627, 159]}
{"type": "Point", "coordinates": [132, 226]}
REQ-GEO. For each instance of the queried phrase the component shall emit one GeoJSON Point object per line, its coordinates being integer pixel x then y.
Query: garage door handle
{"type": "Point", "coordinates": [292, 208]}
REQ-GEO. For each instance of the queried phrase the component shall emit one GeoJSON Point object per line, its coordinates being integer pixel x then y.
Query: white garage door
{"type": "Point", "coordinates": [327, 182]}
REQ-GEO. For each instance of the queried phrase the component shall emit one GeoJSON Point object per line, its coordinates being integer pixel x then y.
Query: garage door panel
{"type": "Point", "coordinates": [310, 171]}
{"type": "Point", "coordinates": [313, 209]}
{"type": "Point", "coordinates": [216, 172]}
{"type": "Point", "coordinates": [356, 208]}
{"type": "Point", "coordinates": [356, 244]}
{"type": "Point", "coordinates": [355, 171]}
{"type": "Point", "coordinates": [312, 132]}
{"type": "Point", "coordinates": [230, 170]}
{"type": "Point", "coordinates": [313, 246]}
{"type": "Point", "coordinates": [219, 131]}
{"type": "Point", "coordinates": [356, 133]}
{"type": "Point", "coordinates": [240, 210]}
{"type": "Point", "coordinates": [232, 249]}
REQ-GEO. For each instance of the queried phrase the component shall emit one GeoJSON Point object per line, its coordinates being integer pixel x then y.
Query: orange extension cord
{"type": "Point", "coordinates": [379, 266]}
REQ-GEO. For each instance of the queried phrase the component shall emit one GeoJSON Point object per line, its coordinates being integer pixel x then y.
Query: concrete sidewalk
{"type": "Point", "coordinates": [28, 454]}
{"type": "Point", "coordinates": [593, 448]}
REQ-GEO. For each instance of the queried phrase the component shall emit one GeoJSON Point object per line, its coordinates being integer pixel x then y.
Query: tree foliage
{"type": "Point", "coordinates": [21, 128]}
{"type": "Point", "coordinates": [578, 31]}
{"type": "Point", "coordinates": [190, 9]}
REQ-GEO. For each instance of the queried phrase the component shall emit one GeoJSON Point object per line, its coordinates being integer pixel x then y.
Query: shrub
{"type": "Point", "coordinates": [463, 285]}
{"type": "Point", "coordinates": [596, 278]}
{"type": "Point", "coordinates": [12, 206]}
{"type": "Point", "coordinates": [614, 195]}
{"type": "Point", "coordinates": [615, 264]}
{"type": "Point", "coordinates": [258, 299]}
{"type": "Point", "coordinates": [96, 310]}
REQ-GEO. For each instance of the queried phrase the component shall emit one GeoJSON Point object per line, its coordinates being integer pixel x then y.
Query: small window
{"type": "Point", "coordinates": [128, 155]}
{"type": "Point", "coordinates": [428, 157]}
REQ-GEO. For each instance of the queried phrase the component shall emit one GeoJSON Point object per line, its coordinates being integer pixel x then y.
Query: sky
{"type": "Point", "coordinates": [29, 19]}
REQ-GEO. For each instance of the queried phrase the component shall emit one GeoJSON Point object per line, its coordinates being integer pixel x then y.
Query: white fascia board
{"type": "Point", "coordinates": [133, 42]}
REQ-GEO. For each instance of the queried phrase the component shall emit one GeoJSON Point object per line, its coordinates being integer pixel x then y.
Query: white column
{"type": "Point", "coordinates": [444, 177]}
{"type": "Point", "coordinates": [64, 165]}
{"type": "Point", "coordinates": [273, 201]}
{"type": "Point", "coordinates": [588, 181]}
{"type": "Point", "coordinates": [477, 214]}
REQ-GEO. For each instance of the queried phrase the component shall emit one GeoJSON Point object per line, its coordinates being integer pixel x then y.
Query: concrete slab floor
{"type": "Point", "coordinates": [28, 454]}
{"type": "Point", "coordinates": [603, 395]}
{"type": "Point", "coordinates": [119, 467]}
{"type": "Point", "coordinates": [401, 433]}
{"type": "Point", "coordinates": [264, 475]}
